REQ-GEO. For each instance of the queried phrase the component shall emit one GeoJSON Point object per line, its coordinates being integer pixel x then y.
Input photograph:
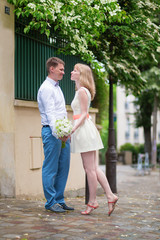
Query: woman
{"type": "Point", "coordinates": [85, 138]}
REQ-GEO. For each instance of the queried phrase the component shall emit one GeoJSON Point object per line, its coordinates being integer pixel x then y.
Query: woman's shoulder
{"type": "Point", "coordinates": [82, 92]}
{"type": "Point", "coordinates": [83, 89]}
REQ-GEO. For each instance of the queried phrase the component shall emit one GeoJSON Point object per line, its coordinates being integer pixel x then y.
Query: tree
{"type": "Point", "coordinates": [79, 22]}
{"type": "Point", "coordinates": [111, 34]}
{"type": "Point", "coordinates": [153, 83]}
{"type": "Point", "coordinates": [121, 48]}
{"type": "Point", "coordinates": [144, 103]}
{"type": "Point", "coordinates": [151, 73]}
{"type": "Point", "coordinates": [147, 104]}
{"type": "Point", "coordinates": [124, 45]}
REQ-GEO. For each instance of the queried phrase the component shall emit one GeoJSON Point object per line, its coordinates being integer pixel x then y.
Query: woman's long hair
{"type": "Point", "coordinates": [86, 78]}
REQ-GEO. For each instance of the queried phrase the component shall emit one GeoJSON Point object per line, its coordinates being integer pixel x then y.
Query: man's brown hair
{"type": "Point", "coordinates": [53, 62]}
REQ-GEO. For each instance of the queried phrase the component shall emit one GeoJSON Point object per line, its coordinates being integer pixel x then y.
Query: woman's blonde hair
{"type": "Point", "coordinates": [86, 78]}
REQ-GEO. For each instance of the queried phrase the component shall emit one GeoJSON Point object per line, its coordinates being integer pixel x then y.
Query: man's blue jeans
{"type": "Point", "coordinates": [55, 167]}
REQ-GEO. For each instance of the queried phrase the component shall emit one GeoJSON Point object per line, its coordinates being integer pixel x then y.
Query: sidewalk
{"type": "Point", "coordinates": [136, 217]}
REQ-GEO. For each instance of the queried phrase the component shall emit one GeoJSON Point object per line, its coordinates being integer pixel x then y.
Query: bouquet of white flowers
{"type": "Point", "coordinates": [63, 128]}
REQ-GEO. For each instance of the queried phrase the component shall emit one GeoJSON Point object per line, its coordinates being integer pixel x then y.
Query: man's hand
{"type": "Point", "coordinates": [65, 138]}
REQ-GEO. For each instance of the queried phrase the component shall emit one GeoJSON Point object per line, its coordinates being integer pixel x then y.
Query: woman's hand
{"type": "Point", "coordinates": [73, 130]}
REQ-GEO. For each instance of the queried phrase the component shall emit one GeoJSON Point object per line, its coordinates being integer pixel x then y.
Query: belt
{"type": "Point", "coordinates": [78, 116]}
{"type": "Point", "coordinates": [45, 125]}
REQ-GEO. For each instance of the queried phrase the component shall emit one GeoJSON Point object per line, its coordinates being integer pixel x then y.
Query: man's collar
{"type": "Point", "coordinates": [55, 83]}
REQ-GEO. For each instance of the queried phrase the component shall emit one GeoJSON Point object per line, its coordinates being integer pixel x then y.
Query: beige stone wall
{"type": "Point", "coordinates": [7, 167]}
{"type": "Point", "coordinates": [28, 149]}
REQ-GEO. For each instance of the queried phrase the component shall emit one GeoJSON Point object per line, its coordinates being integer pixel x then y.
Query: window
{"type": "Point", "coordinates": [127, 132]}
{"type": "Point", "coordinates": [136, 133]}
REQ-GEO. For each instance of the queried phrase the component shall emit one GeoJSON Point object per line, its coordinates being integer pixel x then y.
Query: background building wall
{"type": "Point", "coordinates": [126, 131]}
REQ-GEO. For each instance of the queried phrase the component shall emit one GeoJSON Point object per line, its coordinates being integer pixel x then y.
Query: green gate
{"type": "Point", "coordinates": [31, 52]}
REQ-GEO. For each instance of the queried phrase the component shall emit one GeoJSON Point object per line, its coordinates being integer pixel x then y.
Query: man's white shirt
{"type": "Point", "coordinates": [51, 104]}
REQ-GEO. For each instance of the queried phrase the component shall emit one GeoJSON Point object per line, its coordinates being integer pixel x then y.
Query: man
{"type": "Point", "coordinates": [57, 159]}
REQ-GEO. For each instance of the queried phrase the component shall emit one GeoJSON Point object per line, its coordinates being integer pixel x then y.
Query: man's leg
{"type": "Point", "coordinates": [52, 150]}
{"type": "Point", "coordinates": [62, 174]}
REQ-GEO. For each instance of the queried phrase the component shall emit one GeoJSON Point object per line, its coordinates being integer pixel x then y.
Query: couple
{"type": "Point", "coordinates": [85, 138]}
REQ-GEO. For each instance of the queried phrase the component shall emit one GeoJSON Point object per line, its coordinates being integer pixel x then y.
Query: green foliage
{"type": "Point", "coordinates": [79, 22]}
{"type": "Point", "coordinates": [152, 77]}
{"type": "Point", "coordinates": [130, 44]}
{"type": "Point", "coordinates": [101, 99]}
{"type": "Point", "coordinates": [113, 35]}
{"type": "Point", "coordinates": [131, 148]}
{"type": "Point", "coordinates": [158, 146]}
{"type": "Point", "coordinates": [158, 153]}
{"type": "Point", "coordinates": [140, 148]}
{"type": "Point", "coordinates": [101, 102]}
{"type": "Point", "coordinates": [105, 125]}
{"type": "Point", "coordinates": [144, 103]}
{"type": "Point", "coordinates": [135, 149]}
{"type": "Point", "coordinates": [104, 136]}
{"type": "Point", "coordinates": [128, 147]}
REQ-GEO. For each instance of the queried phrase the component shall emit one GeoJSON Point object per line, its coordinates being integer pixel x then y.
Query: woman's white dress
{"type": "Point", "coordinates": [86, 137]}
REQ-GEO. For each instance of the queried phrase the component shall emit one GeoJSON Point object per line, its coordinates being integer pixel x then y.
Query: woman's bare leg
{"type": "Point", "coordinates": [105, 185]}
{"type": "Point", "coordinates": [90, 169]}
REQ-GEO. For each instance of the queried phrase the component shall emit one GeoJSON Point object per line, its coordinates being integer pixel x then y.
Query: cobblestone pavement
{"type": "Point", "coordinates": [136, 216]}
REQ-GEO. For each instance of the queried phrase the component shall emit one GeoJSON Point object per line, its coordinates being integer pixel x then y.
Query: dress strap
{"type": "Point", "coordinates": [87, 91]}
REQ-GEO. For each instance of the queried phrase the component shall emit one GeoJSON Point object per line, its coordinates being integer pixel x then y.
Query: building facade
{"type": "Point", "coordinates": [126, 130]}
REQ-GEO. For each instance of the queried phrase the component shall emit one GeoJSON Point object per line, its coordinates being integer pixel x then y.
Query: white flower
{"type": "Point", "coordinates": [82, 48]}
{"type": "Point", "coordinates": [97, 24]}
{"type": "Point", "coordinates": [103, 1]}
{"type": "Point", "coordinates": [76, 38]}
{"type": "Point", "coordinates": [90, 2]}
{"type": "Point", "coordinates": [73, 52]}
{"type": "Point", "coordinates": [63, 128]}
{"type": "Point", "coordinates": [96, 7]}
{"type": "Point", "coordinates": [107, 1]}
{"type": "Point", "coordinates": [74, 2]}
{"type": "Point", "coordinates": [58, 6]}
{"type": "Point", "coordinates": [158, 49]}
{"type": "Point", "coordinates": [32, 5]}
{"type": "Point", "coordinates": [73, 45]}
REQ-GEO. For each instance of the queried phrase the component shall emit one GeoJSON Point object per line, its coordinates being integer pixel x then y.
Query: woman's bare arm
{"type": "Point", "coordinates": [83, 98]}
